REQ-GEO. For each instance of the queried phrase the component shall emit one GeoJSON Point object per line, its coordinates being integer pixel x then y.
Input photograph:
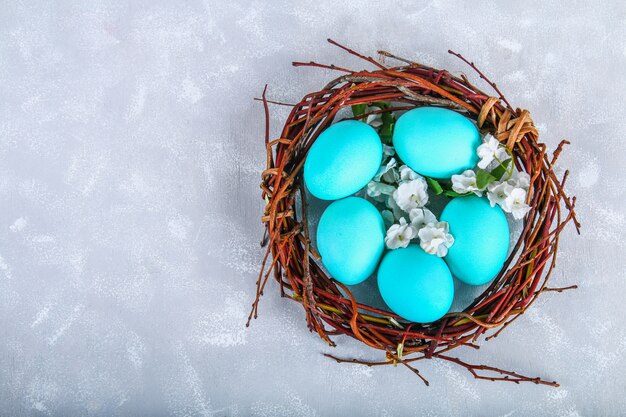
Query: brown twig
{"type": "Point", "coordinates": [561, 289]}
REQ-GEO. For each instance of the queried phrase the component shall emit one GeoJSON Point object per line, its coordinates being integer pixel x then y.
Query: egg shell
{"type": "Point", "coordinates": [415, 285]}
{"type": "Point", "coordinates": [436, 142]}
{"type": "Point", "coordinates": [351, 239]}
{"type": "Point", "coordinates": [343, 159]}
{"type": "Point", "coordinates": [481, 239]}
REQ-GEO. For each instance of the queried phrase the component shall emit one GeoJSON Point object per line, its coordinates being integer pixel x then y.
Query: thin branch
{"type": "Point", "coordinates": [483, 76]}
{"type": "Point", "coordinates": [560, 289]}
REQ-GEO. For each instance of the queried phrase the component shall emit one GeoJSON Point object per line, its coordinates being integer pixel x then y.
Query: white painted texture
{"type": "Point", "coordinates": [130, 153]}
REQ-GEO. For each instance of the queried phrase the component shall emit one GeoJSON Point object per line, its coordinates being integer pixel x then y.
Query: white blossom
{"type": "Point", "coordinates": [515, 203]}
{"type": "Point", "coordinates": [374, 120]}
{"type": "Point", "coordinates": [466, 183]}
{"type": "Point", "coordinates": [497, 192]}
{"type": "Point", "coordinates": [379, 191]}
{"type": "Point", "coordinates": [407, 174]}
{"type": "Point", "coordinates": [510, 198]}
{"type": "Point", "coordinates": [384, 169]}
{"type": "Point", "coordinates": [491, 150]}
{"type": "Point", "coordinates": [411, 194]}
{"type": "Point", "coordinates": [391, 175]}
{"type": "Point", "coordinates": [397, 211]}
{"type": "Point", "coordinates": [520, 180]}
{"type": "Point", "coordinates": [435, 238]}
{"type": "Point", "coordinates": [400, 235]}
{"type": "Point", "coordinates": [388, 150]}
{"type": "Point", "coordinates": [420, 217]}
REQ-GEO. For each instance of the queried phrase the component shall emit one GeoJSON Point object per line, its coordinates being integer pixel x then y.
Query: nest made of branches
{"type": "Point", "coordinates": [330, 307]}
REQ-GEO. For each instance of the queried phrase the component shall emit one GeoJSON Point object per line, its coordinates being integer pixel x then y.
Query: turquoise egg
{"type": "Point", "coordinates": [481, 239]}
{"type": "Point", "coordinates": [436, 142]}
{"type": "Point", "coordinates": [351, 239]}
{"type": "Point", "coordinates": [415, 285]}
{"type": "Point", "coordinates": [343, 159]}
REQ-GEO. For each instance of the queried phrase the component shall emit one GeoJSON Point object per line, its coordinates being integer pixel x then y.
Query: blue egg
{"type": "Point", "coordinates": [436, 142]}
{"type": "Point", "coordinates": [415, 285]}
{"type": "Point", "coordinates": [481, 239]}
{"type": "Point", "coordinates": [343, 159]}
{"type": "Point", "coordinates": [351, 239]}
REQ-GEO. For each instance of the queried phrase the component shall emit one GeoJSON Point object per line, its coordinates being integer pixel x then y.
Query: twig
{"type": "Point", "coordinates": [508, 376]}
{"type": "Point", "coordinates": [561, 289]}
{"type": "Point", "coordinates": [483, 76]}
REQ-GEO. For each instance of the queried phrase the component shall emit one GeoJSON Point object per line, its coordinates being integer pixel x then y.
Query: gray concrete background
{"type": "Point", "coordinates": [130, 153]}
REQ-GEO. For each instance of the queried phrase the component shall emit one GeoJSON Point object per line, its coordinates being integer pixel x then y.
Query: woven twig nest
{"type": "Point", "coordinates": [330, 307]}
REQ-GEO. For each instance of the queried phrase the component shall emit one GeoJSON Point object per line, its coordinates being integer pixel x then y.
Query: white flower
{"type": "Point", "coordinates": [512, 199]}
{"type": "Point", "coordinates": [420, 217]}
{"type": "Point", "coordinates": [388, 150]}
{"type": "Point", "coordinates": [436, 239]}
{"type": "Point", "coordinates": [520, 180]}
{"type": "Point", "coordinates": [384, 169]}
{"type": "Point", "coordinates": [411, 194]}
{"type": "Point", "coordinates": [399, 235]}
{"type": "Point", "coordinates": [374, 120]}
{"type": "Point", "coordinates": [407, 174]}
{"type": "Point", "coordinates": [391, 176]}
{"type": "Point", "coordinates": [379, 191]}
{"type": "Point", "coordinates": [497, 192]}
{"type": "Point", "coordinates": [397, 211]}
{"type": "Point", "coordinates": [466, 183]}
{"type": "Point", "coordinates": [490, 151]}
{"type": "Point", "coordinates": [515, 203]}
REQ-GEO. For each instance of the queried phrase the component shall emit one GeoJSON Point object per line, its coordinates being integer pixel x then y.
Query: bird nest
{"type": "Point", "coordinates": [331, 309]}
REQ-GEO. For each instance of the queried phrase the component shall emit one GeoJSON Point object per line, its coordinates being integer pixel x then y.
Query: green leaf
{"type": "Point", "coordinates": [434, 184]}
{"type": "Point", "coordinates": [359, 109]}
{"type": "Point", "coordinates": [450, 193]}
{"type": "Point", "coordinates": [382, 104]}
{"type": "Point", "coordinates": [387, 118]}
{"type": "Point", "coordinates": [499, 171]}
{"type": "Point", "coordinates": [386, 130]}
{"type": "Point", "coordinates": [483, 178]}
{"type": "Point", "coordinates": [386, 135]}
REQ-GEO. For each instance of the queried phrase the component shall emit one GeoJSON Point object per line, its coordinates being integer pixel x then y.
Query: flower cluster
{"type": "Point", "coordinates": [511, 194]}
{"type": "Point", "coordinates": [497, 178]}
{"type": "Point", "coordinates": [405, 194]}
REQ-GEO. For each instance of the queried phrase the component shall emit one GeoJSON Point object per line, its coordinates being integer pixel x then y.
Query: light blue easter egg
{"type": "Point", "coordinates": [343, 159]}
{"type": "Point", "coordinates": [351, 239]}
{"type": "Point", "coordinates": [481, 239]}
{"type": "Point", "coordinates": [436, 142]}
{"type": "Point", "coordinates": [415, 285]}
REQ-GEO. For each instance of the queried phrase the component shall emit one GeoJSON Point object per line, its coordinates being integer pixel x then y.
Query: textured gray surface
{"type": "Point", "coordinates": [130, 152]}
